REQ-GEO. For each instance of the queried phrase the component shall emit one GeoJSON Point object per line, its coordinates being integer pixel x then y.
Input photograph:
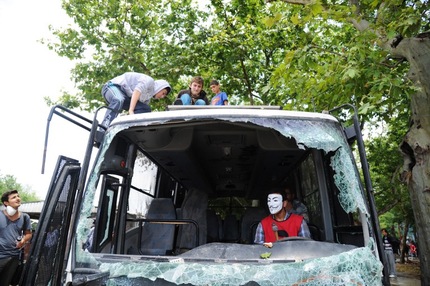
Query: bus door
{"type": "Point", "coordinates": [49, 250]}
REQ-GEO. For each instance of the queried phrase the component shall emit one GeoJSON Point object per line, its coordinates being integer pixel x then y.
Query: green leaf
{"type": "Point", "coordinates": [295, 19]}
{"type": "Point", "coordinates": [316, 9]}
{"type": "Point", "coordinates": [265, 255]}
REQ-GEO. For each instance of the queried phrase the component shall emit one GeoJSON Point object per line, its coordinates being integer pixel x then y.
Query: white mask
{"type": "Point", "coordinates": [10, 210]}
{"type": "Point", "coordinates": [274, 202]}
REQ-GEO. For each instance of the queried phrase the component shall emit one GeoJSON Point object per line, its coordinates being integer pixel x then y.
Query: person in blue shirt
{"type": "Point", "coordinates": [220, 97]}
{"type": "Point", "coordinates": [15, 233]}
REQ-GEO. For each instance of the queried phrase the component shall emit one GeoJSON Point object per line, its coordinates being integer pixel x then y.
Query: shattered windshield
{"type": "Point", "coordinates": [357, 266]}
{"type": "Point", "coordinates": [326, 136]}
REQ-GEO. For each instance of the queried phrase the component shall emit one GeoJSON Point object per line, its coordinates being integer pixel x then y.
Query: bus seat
{"type": "Point", "coordinates": [231, 229]}
{"type": "Point", "coordinates": [316, 233]}
{"type": "Point", "coordinates": [250, 220]}
{"type": "Point", "coordinates": [194, 208]}
{"type": "Point", "coordinates": [213, 226]}
{"type": "Point", "coordinates": [157, 238]}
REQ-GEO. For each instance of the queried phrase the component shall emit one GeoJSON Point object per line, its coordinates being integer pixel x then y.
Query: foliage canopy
{"type": "Point", "coordinates": [9, 182]}
{"type": "Point", "coordinates": [302, 55]}
{"type": "Point", "coordinates": [311, 56]}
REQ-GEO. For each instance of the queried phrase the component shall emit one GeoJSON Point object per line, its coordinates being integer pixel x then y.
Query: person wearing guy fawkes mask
{"type": "Point", "coordinates": [280, 223]}
{"type": "Point", "coordinates": [15, 232]}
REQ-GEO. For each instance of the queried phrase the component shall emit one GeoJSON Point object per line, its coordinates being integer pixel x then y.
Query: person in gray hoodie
{"type": "Point", "coordinates": [132, 92]}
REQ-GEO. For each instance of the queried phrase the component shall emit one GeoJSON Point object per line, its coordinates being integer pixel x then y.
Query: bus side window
{"type": "Point", "coordinates": [144, 184]}
{"type": "Point", "coordinates": [309, 190]}
{"type": "Point", "coordinates": [105, 219]}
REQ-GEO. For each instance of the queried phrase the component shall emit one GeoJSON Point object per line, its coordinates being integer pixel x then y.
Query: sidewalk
{"type": "Point", "coordinates": [405, 280]}
{"type": "Point", "coordinates": [405, 275]}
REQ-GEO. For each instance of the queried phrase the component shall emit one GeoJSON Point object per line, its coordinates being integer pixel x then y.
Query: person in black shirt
{"type": "Point", "coordinates": [387, 241]}
{"type": "Point", "coordinates": [194, 95]}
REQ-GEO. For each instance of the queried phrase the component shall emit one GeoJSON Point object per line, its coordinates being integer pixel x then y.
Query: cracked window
{"type": "Point", "coordinates": [342, 265]}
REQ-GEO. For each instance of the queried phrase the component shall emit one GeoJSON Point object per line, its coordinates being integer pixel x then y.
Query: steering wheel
{"type": "Point", "coordinates": [292, 238]}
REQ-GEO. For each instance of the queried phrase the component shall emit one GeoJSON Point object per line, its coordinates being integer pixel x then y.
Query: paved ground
{"type": "Point", "coordinates": [408, 277]}
{"type": "Point", "coordinates": [405, 280]}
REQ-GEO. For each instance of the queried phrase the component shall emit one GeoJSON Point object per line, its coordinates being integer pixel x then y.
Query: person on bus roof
{"type": "Point", "coordinates": [195, 95]}
{"type": "Point", "coordinates": [280, 223]}
{"type": "Point", "coordinates": [220, 97]}
{"type": "Point", "coordinates": [132, 92]}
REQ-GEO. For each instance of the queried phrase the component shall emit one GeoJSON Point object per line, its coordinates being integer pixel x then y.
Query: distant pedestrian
{"type": "Point", "coordinates": [412, 249]}
{"type": "Point", "coordinates": [220, 97]}
{"type": "Point", "coordinates": [396, 245]}
{"type": "Point", "coordinates": [388, 249]}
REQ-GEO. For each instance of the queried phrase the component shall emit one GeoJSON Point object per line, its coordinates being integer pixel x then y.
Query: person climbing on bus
{"type": "Point", "coordinates": [280, 223]}
{"type": "Point", "coordinates": [131, 92]}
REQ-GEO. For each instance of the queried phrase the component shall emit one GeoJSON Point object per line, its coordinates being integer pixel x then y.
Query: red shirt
{"type": "Point", "coordinates": [291, 226]}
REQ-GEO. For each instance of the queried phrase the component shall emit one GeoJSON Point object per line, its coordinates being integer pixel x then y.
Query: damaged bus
{"type": "Point", "coordinates": [174, 198]}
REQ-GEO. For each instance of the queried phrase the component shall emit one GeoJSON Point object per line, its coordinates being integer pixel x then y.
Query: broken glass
{"type": "Point", "coordinates": [357, 266]}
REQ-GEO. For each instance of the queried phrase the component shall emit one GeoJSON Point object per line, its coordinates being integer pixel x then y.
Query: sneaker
{"type": "Point", "coordinates": [178, 102]}
{"type": "Point", "coordinates": [392, 276]}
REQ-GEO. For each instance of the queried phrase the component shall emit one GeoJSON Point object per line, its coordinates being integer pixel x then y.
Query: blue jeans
{"type": "Point", "coordinates": [118, 101]}
{"type": "Point", "coordinates": [186, 100]}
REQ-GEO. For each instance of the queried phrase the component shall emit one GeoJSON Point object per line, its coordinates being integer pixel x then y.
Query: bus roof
{"type": "Point", "coordinates": [208, 111]}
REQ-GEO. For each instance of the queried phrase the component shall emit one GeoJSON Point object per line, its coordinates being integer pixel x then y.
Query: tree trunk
{"type": "Point", "coordinates": [403, 242]}
{"type": "Point", "coordinates": [416, 144]}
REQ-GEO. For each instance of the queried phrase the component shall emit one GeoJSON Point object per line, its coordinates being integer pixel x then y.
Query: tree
{"type": "Point", "coordinates": [112, 37]}
{"type": "Point", "coordinates": [303, 55]}
{"type": "Point", "coordinates": [9, 182]}
{"type": "Point", "coordinates": [391, 196]}
{"type": "Point", "coordinates": [394, 83]}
